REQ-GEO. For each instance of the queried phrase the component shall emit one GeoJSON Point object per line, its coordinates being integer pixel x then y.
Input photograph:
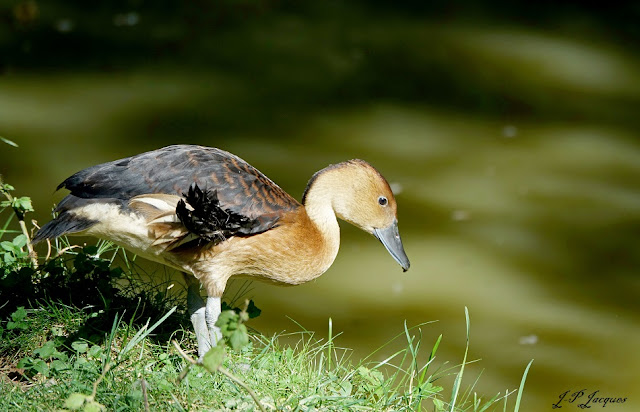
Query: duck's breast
{"type": "Point", "coordinates": [292, 253]}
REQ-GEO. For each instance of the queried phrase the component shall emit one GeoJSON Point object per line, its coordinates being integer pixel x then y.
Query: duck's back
{"type": "Point", "coordinates": [234, 186]}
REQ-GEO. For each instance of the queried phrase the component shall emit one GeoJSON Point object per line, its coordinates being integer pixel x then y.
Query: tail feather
{"type": "Point", "coordinates": [65, 223]}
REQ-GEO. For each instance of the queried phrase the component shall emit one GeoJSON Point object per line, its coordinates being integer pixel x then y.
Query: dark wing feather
{"type": "Point", "coordinates": [205, 217]}
{"type": "Point", "coordinates": [239, 187]}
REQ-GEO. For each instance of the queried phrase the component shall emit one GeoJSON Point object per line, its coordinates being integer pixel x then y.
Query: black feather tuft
{"type": "Point", "coordinates": [208, 220]}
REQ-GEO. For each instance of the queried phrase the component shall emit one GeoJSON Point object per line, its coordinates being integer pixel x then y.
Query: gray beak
{"type": "Point", "coordinates": [390, 238]}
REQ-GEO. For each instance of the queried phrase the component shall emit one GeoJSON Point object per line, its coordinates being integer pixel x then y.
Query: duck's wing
{"type": "Point", "coordinates": [157, 186]}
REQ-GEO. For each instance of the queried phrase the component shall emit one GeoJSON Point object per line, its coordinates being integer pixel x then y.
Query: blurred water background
{"type": "Point", "coordinates": [509, 131]}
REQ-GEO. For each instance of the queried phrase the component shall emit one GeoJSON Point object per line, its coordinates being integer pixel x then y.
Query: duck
{"type": "Point", "coordinates": [212, 216]}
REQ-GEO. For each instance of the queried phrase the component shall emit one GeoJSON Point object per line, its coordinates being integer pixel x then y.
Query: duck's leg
{"type": "Point", "coordinates": [212, 313]}
{"type": "Point", "coordinates": [197, 309]}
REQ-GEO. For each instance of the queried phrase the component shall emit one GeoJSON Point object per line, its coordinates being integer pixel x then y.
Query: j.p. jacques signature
{"type": "Point", "coordinates": [585, 399]}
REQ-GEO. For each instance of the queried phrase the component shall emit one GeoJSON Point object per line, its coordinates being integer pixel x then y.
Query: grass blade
{"type": "Point", "coordinates": [431, 356]}
{"type": "Point", "coordinates": [329, 344]}
{"type": "Point", "coordinates": [458, 381]}
{"type": "Point", "coordinates": [9, 142]}
{"type": "Point", "coordinates": [521, 389]}
{"type": "Point", "coordinates": [144, 332]}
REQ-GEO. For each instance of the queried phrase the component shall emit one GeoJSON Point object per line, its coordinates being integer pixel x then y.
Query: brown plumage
{"type": "Point", "coordinates": [210, 214]}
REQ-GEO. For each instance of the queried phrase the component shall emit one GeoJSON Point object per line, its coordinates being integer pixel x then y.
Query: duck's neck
{"type": "Point", "coordinates": [319, 205]}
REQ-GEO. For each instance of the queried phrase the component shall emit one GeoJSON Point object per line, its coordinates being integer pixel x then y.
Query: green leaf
{"type": "Point", "coordinates": [345, 388]}
{"type": "Point", "coordinates": [23, 203]}
{"type": "Point", "coordinates": [95, 351]}
{"type": "Point", "coordinates": [239, 338]}
{"type": "Point", "coordinates": [75, 401]}
{"type": "Point", "coordinates": [79, 346]}
{"type": "Point", "coordinates": [372, 380]}
{"type": "Point", "coordinates": [41, 366]}
{"type": "Point", "coordinates": [17, 325]}
{"type": "Point", "coordinates": [93, 406]}
{"type": "Point", "coordinates": [57, 331]}
{"type": "Point", "coordinates": [226, 317]}
{"type": "Point", "coordinates": [90, 250]}
{"type": "Point", "coordinates": [59, 365]}
{"type": "Point", "coordinates": [25, 363]}
{"type": "Point", "coordinates": [8, 246]}
{"type": "Point", "coordinates": [9, 142]}
{"type": "Point", "coordinates": [213, 358]}
{"type": "Point", "coordinates": [18, 318]}
{"type": "Point", "coordinates": [227, 322]}
{"type": "Point", "coordinates": [253, 310]}
{"type": "Point", "coordinates": [19, 314]}
{"type": "Point", "coordinates": [20, 241]}
{"type": "Point", "coordinates": [46, 351]}
{"type": "Point", "coordinates": [60, 355]}
{"type": "Point", "coordinates": [164, 385]}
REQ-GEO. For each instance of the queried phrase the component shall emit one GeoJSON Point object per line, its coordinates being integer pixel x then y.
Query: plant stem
{"type": "Point", "coordinates": [23, 227]}
{"type": "Point", "coordinates": [97, 382]}
{"type": "Point", "coordinates": [231, 376]}
{"type": "Point", "coordinates": [32, 253]}
{"type": "Point", "coordinates": [145, 397]}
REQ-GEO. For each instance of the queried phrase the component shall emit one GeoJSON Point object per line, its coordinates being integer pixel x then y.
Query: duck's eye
{"type": "Point", "coordinates": [382, 201]}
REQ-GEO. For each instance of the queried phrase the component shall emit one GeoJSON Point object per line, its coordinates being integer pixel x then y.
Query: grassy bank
{"type": "Point", "coordinates": [78, 332]}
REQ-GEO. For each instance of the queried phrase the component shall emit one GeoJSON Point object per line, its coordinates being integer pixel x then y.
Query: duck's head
{"type": "Point", "coordinates": [361, 196]}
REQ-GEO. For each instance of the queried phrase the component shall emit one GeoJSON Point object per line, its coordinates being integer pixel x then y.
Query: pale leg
{"type": "Point", "coordinates": [212, 313]}
{"type": "Point", "coordinates": [196, 307]}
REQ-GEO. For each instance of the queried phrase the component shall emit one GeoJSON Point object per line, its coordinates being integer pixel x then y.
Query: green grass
{"type": "Point", "coordinates": [143, 370]}
{"type": "Point", "coordinates": [77, 333]}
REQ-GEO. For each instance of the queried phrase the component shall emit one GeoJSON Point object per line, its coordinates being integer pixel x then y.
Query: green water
{"type": "Point", "coordinates": [515, 153]}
